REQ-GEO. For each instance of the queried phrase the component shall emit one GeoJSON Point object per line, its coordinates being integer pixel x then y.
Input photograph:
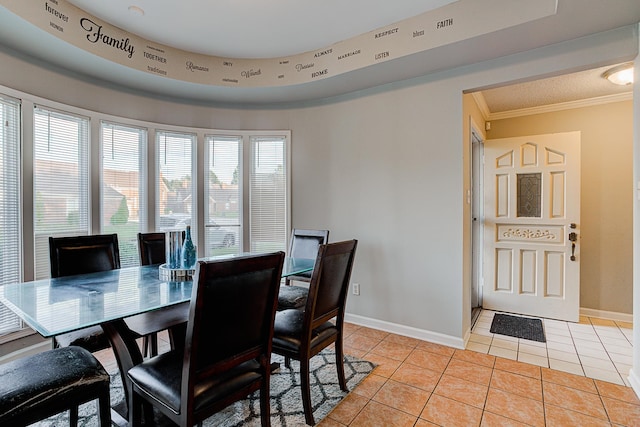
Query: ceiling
{"type": "Point", "coordinates": [257, 29]}
{"type": "Point", "coordinates": [559, 90]}
{"type": "Point", "coordinates": [253, 28]}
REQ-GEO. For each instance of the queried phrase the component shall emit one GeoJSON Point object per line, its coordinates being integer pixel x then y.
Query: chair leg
{"type": "Point", "coordinates": [104, 408]}
{"type": "Point", "coordinates": [73, 416]}
{"type": "Point", "coordinates": [287, 362]}
{"type": "Point", "coordinates": [265, 405]}
{"type": "Point", "coordinates": [340, 365]}
{"type": "Point", "coordinates": [135, 409]}
{"type": "Point", "coordinates": [306, 391]}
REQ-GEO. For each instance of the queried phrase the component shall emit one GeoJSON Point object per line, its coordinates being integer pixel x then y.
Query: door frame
{"type": "Point", "coordinates": [476, 200]}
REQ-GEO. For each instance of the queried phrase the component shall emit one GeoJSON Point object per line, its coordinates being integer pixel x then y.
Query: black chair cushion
{"type": "Point", "coordinates": [161, 377]}
{"type": "Point", "coordinates": [92, 338]}
{"type": "Point", "coordinates": [292, 297]}
{"type": "Point", "coordinates": [288, 329]}
{"type": "Point", "coordinates": [34, 382]}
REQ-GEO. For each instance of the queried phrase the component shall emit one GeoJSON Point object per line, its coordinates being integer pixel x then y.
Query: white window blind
{"type": "Point", "coordinates": [61, 180]}
{"type": "Point", "coordinates": [223, 195]}
{"type": "Point", "coordinates": [268, 194]}
{"type": "Point", "coordinates": [123, 199]}
{"type": "Point", "coordinates": [9, 204]}
{"type": "Point", "coordinates": [174, 189]}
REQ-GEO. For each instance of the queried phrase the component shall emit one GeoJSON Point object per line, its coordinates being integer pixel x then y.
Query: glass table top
{"type": "Point", "coordinates": [55, 306]}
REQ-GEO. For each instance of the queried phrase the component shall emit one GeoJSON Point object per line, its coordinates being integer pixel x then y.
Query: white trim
{"type": "Point", "coordinates": [407, 331]}
{"type": "Point", "coordinates": [634, 380]}
{"type": "Point", "coordinates": [599, 100]}
{"type": "Point", "coordinates": [482, 105]}
{"type": "Point", "coordinates": [610, 315]}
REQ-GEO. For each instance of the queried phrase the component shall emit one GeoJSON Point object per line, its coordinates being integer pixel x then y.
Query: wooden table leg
{"type": "Point", "coordinates": [127, 353]}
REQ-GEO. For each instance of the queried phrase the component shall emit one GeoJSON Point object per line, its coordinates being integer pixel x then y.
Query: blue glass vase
{"type": "Point", "coordinates": [189, 255]}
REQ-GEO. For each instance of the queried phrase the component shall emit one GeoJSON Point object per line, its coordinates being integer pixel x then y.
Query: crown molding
{"type": "Point", "coordinates": [482, 105]}
{"type": "Point", "coordinates": [581, 103]}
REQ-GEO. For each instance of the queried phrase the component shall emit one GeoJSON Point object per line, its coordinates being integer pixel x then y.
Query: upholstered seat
{"type": "Point", "coordinates": [292, 297]}
{"type": "Point", "coordinates": [36, 387]}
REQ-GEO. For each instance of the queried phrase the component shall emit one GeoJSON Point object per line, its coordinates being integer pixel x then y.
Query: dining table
{"type": "Point", "coordinates": [126, 303]}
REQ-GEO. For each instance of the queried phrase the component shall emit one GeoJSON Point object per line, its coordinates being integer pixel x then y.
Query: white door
{"type": "Point", "coordinates": [531, 209]}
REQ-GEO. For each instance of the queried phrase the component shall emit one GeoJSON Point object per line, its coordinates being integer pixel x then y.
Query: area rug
{"type": "Point", "coordinates": [520, 327]}
{"type": "Point", "coordinates": [286, 398]}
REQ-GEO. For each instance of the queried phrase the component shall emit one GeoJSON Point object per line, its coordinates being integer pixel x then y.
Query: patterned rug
{"type": "Point", "coordinates": [286, 398]}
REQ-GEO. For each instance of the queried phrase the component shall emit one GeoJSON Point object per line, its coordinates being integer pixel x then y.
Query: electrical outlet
{"type": "Point", "coordinates": [356, 288]}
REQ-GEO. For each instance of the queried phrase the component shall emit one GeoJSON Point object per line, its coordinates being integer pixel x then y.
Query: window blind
{"type": "Point", "coordinates": [223, 195]}
{"type": "Point", "coordinates": [9, 204]}
{"type": "Point", "coordinates": [61, 180]}
{"type": "Point", "coordinates": [123, 198]}
{"type": "Point", "coordinates": [174, 189]}
{"type": "Point", "coordinates": [268, 194]}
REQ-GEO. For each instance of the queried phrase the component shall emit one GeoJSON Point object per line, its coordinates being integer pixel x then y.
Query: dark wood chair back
{"type": "Point", "coordinates": [305, 244]}
{"type": "Point", "coordinates": [238, 298]}
{"type": "Point", "coordinates": [151, 247]}
{"type": "Point", "coordinates": [80, 255]}
{"type": "Point", "coordinates": [227, 350]}
{"type": "Point", "coordinates": [330, 283]}
{"type": "Point", "coordinates": [301, 334]}
{"type": "Point", "coordinates": [83, 254]}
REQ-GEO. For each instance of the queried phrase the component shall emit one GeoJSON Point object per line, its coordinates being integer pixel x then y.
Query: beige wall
{"type": "Point", "coordinates": [606, 205]}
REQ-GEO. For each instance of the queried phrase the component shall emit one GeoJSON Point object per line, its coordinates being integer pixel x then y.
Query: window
{"type": "Point", "coordinates": [174, 192]}
{"type": "Point", "coordinates": [9, 204]}
{"type": "Point", "coordinates": [123, 199]}
{"type": "Point", "coordinates": [223, 195]}
{"type": "Point", "coordinates": [268, 194]}
{"type": "Point", "coordinates": [60, 179]}
{"type": "Point", "coordinates": [246, 193]}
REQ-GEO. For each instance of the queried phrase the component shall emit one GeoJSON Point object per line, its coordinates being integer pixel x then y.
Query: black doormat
{"type": "Point", "coordinates": [520, 327]}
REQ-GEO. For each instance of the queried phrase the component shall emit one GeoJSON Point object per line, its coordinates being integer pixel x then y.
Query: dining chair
{"type": "Point", "coordinates": [38, 386]}
{"type": "Point", "coordinates": [151, 248]}
{"type": "Point", "coordinates": [303, 244]}
{"type": "Point", "coordinates": [301, 334]}
{"type": "Point", "coordinates": [69, 256]}
{"type": "Point", "coordinates": [227, 349]}
{"type": "Point", "coordinates": [80, 255]}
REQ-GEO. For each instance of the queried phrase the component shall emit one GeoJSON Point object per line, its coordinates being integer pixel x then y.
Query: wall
{"type": "Point", "coordinates": [387, 166]}
{"type": "Point", "coordinates": [606, 241]}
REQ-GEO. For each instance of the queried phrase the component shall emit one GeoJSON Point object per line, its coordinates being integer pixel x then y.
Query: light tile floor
{"type": "Point", "coordinates": [419, 384]}
{"type": "Point", "coordinates": [595, 348]}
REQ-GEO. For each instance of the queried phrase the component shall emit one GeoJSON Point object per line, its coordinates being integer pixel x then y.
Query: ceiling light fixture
{"type": "Point", "coordinates": [136, 10]}
{"type": "Point", "coordinates": [620, 75]}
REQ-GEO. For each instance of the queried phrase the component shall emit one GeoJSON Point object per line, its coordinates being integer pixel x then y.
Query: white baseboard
{"type": "Point", "coordinates": [407, 331]}
{"type": "Point", "coordinates": [610, 315]}
{"type": "Point", "coordinates": [635, 381]}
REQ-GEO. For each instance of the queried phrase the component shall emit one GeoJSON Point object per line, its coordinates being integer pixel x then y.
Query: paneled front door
{"type": "Point", "coordinates": [532, 225]}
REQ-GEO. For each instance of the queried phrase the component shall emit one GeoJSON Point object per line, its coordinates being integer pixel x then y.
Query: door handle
{"type": "Point", "coordinates": [573, 238]}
